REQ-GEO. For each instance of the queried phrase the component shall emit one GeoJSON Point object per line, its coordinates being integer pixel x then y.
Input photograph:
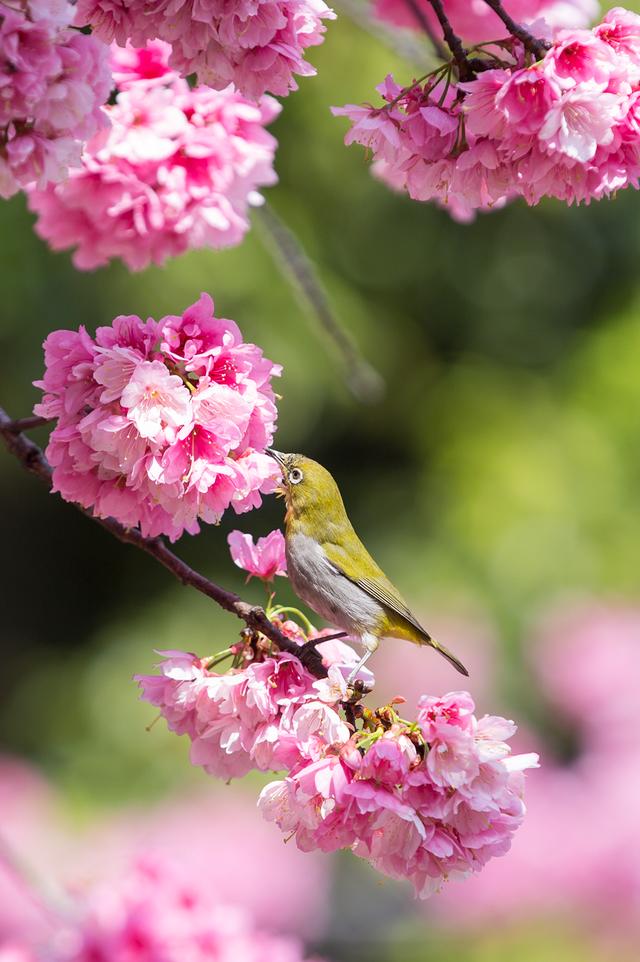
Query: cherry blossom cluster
{"type": "Point", "coordinates": [567, 126]}
{"type": "Point", "coordinates": [53, 81]}
{"type": "Point", "coordinates": [475, 21]}
{"type": "Point", "coordinates": [258, 45]}
{"type": "Point", "coordinates": [177, 170]}
{"type": "Point", "coordinates": [427, 800]}
{"type": "Point", "coordinates": [264, 715]}
{"type": "Point", "coordinates": [149, 914]}
{"type": "Point", "coordinates": [160, 423]}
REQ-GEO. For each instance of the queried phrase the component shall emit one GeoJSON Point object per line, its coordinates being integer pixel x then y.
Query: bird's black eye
{"type": "Point", "coordinates": [295, 476]}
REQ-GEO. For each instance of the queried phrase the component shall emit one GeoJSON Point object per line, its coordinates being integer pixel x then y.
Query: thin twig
{"type": "Point", "coordinates": [32, 459]}
{"type": "Point", "coordinates": [419, 14]}
{"type": "Point", "coordinates": [535, 45]}
{"type": "Point", "coordinates": [362, 379]}
{"type": "Point", "coordinates": [405, 43]}
{"type": "Point", "coordinates": [453, 41]}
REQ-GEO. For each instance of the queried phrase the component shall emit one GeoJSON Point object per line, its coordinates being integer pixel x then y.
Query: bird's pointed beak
{"type": "Point", "coordinates": [276, 455]}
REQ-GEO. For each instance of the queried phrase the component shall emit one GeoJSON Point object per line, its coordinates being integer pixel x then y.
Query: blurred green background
{"type": "Point", "coordinates": [498, 475]}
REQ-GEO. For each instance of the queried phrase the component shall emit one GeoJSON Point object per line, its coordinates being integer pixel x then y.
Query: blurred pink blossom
{"type": "Point", "coordinates": [149, 914]}
{"type": "Point", "coordinates": [257, 45]}
{"type": "Point", "coordinates": [66, 853]}
{"type": "Point", "coordinates": [178, 170]}
{"type": "Point", "coordinates": [576, 855]}
{"type": "Point", "coordinates": [475, 21]}
{"type": "Point", "coordinates": [53, 81]}
{"type": "Point", "coordinates": [264, 559]}
{"type": "Point", "coordinates": [160, 423]}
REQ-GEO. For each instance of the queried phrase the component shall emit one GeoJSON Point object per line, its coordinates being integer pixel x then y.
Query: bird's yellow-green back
{"type": "Point", "coordinates": [315, 508]}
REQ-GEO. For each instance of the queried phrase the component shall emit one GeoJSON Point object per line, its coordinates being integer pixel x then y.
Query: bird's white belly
{"type": "Point", "coordinates": [329, 593]}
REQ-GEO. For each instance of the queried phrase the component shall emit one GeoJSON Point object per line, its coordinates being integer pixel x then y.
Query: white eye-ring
{"type": "Point", "coordinates": [295, 476]}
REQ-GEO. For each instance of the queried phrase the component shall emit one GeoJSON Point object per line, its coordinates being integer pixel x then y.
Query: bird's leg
{"type": "Point", "coordinates": [370, 643]}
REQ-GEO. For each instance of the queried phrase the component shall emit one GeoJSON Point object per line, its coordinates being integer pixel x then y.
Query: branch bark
{"type": "Point", "coordinates": [454, 43]}
{"type": "Point", "coordinates": [533, 44]}
{"type": "Point", "coordinates": [33, 460]}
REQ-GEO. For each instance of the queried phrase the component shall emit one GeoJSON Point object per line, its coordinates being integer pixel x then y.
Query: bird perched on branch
{"type": "Point", "coordinates": [332, 571]}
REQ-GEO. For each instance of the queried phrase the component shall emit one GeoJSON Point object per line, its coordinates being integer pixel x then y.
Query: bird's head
{"type": "Point", "coordinates": [309, 490]}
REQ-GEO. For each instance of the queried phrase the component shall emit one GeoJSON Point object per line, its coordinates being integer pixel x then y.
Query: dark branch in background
{"type": "Point", "coordinates": [285, 248]}
{"type": "Point", "coordinates": [32, 459]}
{"type": "Point", "coordinates": [28, 424]}
{"type": "Point", "coordinates": [419, 14]}
{"type": "Point", "coordinates": [533, 44]}
{"type": "Point", "coordinates": [454, 43]}
{"type": "Point", "coordinates": [405, 43]}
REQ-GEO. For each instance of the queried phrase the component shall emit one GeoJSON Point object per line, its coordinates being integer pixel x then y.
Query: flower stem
{"type": "Point", "coordinates": [220, 656]}
{"type": "Point", "coordinates": [288, 609]}
{"type": "Point", "coordinates": [416, 83]}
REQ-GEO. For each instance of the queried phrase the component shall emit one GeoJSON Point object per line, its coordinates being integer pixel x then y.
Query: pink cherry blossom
{"type": "Point", "coordinates": [264, 559]}
{"type": "Point", "coordinates": [426, 800]}
{"type": "Point", "coordinates": [53, 81]}
{"type": "Point", "coordinates": [262, 716]}
{"type": "Point", "coordinates": [178, 169]}
{"type": "Point", "coordinates": [155, 399]}
{"type": "Point", "coordinates": [581, 121]}
{"type": "Point", "coordinates": [257, 46]}
{"type": "Point", "coordinates": [146, 436]}
{"type": "Point", "coordinates": [409, 817]}
{"type": "Point", "coordinates": [563, 127]}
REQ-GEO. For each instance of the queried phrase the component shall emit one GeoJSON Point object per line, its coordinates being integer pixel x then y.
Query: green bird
{"type": "Point", "coordinates": [332, 571]}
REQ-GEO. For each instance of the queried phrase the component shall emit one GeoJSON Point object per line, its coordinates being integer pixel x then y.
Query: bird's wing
{"type": "Point", "coordinates": [374, 583]}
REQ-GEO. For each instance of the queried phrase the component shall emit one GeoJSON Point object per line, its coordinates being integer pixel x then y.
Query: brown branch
{"type": "Point", "coordinates": [533, 44]}
{"type": "Point", "coordinates": [32, 459]}
{"type": "Point", "coordinates": [28, 424]}
{"type": "Point", "coordinates": [454, 43]}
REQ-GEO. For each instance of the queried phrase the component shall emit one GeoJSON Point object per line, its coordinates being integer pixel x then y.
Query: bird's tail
{"type": "Point", "coordinates": [457, 664]}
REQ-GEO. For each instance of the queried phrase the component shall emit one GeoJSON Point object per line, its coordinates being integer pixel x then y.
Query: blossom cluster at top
{"type": "Point", "coordinates": [150, 914]}
{"type": "Point", "coordinates": [53, 81]}
{"type": "Point", "coordinates": [475, 21]}
{"type": "Point", "coordinates": [258, 45]}
{"type": "Point", "coordinates": [567, 126]}
{"type": "Point", "coordinates": [160, 423]}
{"type": "Point", "coordinates": [177, 170]}
{"type": "Point", "coordinates": [427, 800]}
